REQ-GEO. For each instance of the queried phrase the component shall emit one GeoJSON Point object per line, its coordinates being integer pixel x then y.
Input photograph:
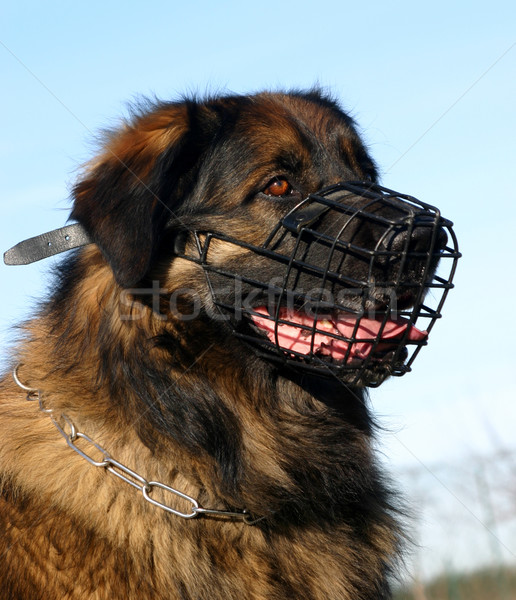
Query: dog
{"type": "Point", "coordinates": [186, 416]}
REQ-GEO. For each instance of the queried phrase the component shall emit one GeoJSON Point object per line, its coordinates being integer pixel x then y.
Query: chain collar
{"type": "Point", "coordinates": [72, 435]}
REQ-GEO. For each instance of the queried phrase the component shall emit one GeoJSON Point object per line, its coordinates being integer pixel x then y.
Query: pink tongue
{"type": "Point", "coordinates": [293, 337]}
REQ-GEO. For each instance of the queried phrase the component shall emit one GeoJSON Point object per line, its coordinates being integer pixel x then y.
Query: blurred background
{"type": "Point", "coordinates": [432, 87]}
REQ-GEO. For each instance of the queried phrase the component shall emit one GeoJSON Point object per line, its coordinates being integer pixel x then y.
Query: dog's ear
{"type": "Point", "coordinates": [124, 199]}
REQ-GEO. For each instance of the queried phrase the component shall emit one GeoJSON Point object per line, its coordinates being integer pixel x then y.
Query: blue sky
{"type": "Point", "coordinates": [432, 86]}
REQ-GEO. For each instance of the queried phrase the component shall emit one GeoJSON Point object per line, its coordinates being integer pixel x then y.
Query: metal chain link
{"type": "Point", "coordinates": [72, 435]}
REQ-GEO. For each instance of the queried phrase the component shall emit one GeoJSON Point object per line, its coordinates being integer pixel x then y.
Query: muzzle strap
{"type": "Point", "coordinates": [47, 244]}
{"type": "Point", "coordinates": [295, 221]}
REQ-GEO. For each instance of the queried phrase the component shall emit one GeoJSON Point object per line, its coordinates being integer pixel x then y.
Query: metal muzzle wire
{"type": "Point", "coordinates": [360, 276]}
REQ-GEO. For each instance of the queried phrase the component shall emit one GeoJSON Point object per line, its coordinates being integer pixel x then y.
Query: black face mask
{"type": "Point", "coordinates": [338, 286]}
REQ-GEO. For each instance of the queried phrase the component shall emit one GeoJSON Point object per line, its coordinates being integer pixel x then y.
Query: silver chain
{"type": "Point", "coordinates": [71, 434]}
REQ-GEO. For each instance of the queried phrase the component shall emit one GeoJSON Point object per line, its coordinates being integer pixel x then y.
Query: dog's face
{"type": "Point", "coordinates": [219, 202]}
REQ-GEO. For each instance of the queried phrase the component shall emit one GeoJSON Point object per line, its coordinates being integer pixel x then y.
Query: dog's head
{"type": "Point", "coordinates": [262, 220]}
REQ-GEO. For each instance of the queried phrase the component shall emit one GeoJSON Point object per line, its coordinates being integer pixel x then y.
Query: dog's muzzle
{"type": "Point", "coordinates": [348, 284]}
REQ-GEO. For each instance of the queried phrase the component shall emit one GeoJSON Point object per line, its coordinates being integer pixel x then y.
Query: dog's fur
{"type": "Point", "coordinates": [182, 401]}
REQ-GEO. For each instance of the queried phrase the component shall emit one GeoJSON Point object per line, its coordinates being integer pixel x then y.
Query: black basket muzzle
{"type": "Point", "coordinates": [349, 283]}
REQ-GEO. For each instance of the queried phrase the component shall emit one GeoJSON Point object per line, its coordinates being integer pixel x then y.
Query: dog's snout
{"type": "Point", "coordinates": [425, 236]}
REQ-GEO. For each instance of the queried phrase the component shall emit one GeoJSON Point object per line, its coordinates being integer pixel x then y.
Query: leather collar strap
{"type": "Point", "coordinates": [47, 244]}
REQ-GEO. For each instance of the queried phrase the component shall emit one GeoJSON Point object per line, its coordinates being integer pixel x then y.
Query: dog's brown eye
{"type": "Point", "coordinates": [278, 187]}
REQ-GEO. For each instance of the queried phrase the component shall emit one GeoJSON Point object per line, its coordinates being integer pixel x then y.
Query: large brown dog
{"type": "Point", "coordinates": [196, 424]}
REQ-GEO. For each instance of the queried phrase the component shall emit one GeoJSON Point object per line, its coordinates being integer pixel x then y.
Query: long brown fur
{"type": "Point", "coordinates": [181, 401]}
